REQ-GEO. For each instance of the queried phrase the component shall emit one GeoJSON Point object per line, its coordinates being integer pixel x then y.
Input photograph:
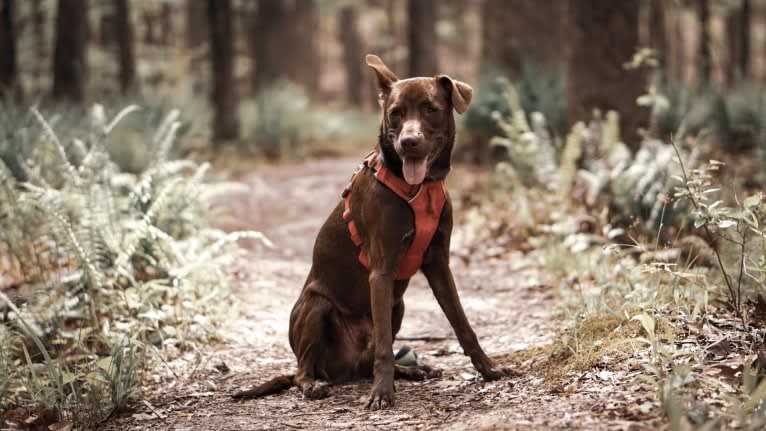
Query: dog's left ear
{"type": "Point", "coordinates": [460, 92]}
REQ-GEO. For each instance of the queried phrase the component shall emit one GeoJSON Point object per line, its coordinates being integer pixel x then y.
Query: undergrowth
{"type": "Point", "coordinates": [662, 262]}
{"type": "Point", "coordinates": [102, 266]}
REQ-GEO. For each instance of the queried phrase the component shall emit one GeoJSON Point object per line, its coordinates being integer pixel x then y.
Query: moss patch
{"type": "Point", "coordinates": [603, 340]}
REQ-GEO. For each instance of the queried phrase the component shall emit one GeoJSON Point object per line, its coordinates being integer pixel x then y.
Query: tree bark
{"type": "Point", "coordinates": [196, 23]}
{"type": "Point", "coordinates": [744, 39]}
{"type": "Point", "coordinates": [673, 57]}
{"type": "Point", "coordinates": [283, 43]}
{"type": "Point", "coordinates": [127, 58]}
{"type": "Point", "coordinates": [421, 37]}
{"type": "Point", "coordinates": [657, 37]}
{"type": "Point", "coordinates": [511, 35]}
{"type": "Point", "coordinates": [600, 36]}
{"type": "Point", "coordinates": [304, 65]}
{"type": "Point", "coordinates": [353, 55]}
{"type": "Point", "coordinates": [166, 17]}
{"type": "Point", "coordinates": [757, 56]}
{"type": "Point", "coordinates": [224, 95]}
{"type": "Point", "coordinates": [266, 38]}
{"type": "Point", "coordinates": [8, 61]}
{"type": "Point", "coordinates": [703, 11]}
{"type": "Point", "coordinates": [69, 62]}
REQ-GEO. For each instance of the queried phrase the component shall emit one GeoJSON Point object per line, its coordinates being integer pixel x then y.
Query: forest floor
{"type": "Point", "coordinates": [509, 299]}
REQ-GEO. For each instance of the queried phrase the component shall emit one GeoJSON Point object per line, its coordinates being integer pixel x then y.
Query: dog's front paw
{"type": "Point", "coordinates": [382, 397]}
{"type": "Point", "coordinates": [316, 390]}
{"type": "Point", "coordinates": [496, 373]}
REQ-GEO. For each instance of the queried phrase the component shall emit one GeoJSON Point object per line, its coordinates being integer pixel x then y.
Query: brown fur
{"type": "Point", "coordinates": [343, 325]}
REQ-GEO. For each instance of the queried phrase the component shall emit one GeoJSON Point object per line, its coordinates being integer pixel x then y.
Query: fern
{"type": "Point", "coordinates": [105, 252]}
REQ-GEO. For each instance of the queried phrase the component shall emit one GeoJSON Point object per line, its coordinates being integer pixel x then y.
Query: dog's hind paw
{"type": "Point", "coordinates": [316, 390]}
{"type": "Point", "coordinates": [419, 372]}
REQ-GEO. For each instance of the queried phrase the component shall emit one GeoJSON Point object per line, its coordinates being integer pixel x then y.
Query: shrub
{"type": "Point", "coordinates": [113, 263]}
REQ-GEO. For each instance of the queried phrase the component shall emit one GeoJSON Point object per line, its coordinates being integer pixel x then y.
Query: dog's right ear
{"type": "Point", "coordinates": [385, 78]}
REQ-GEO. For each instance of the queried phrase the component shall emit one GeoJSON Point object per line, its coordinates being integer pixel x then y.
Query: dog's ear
{"type": "Point", "coordinates": [460, 92]}
{"type": "Point", "coordinates": [385, 78]}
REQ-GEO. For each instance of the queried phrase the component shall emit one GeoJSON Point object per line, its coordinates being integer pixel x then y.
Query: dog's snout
{"type": "Point", "coordinates": [411, 141]}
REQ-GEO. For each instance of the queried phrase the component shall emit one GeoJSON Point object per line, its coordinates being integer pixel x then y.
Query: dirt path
{"type": "Point", "coordinates": [509, 302]}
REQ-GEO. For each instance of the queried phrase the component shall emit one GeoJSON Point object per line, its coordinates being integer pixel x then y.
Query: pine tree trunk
{"type": "Point", "coordinates": [673, 57]}
{"type": "Point", "coordinates": [266, 43]}
{"type": "Point", "coordinates": [8, 62]}
{"type": "Point", "coordinates": [69, 62]}
{"type": "Point", "coordinates": [757, 56]}
{"type": "Point", "coordinates": [304, 64]}
{"type": "Point", "coordinates": [421, 37]}
{"type": "Point", "coordinates": [166, 17]}
{"type": "Point", "coordinates": [224, 96]}
{"type": "Point", "coordinates": [127, 59]}
{"type": "Point", "coordinates": [353, 55]}
{"type": "Point", "coordinates": [744, 39]}
{"type": "Point", "coordinates": [657, 37]}
{"type": "Point", "coordinates": [283, 42]}
{"type": "Point", "coordinates": [600, 36]}
{"type": "Point", "coordinates": [196, 23]}
{"type": "Point", "coordinates": [511, 35]}
{"type": "Point", "coordinates": [703, 11]}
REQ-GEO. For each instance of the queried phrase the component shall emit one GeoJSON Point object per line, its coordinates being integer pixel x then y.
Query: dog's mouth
{"type": "Point", "coordinates": [414, 169]}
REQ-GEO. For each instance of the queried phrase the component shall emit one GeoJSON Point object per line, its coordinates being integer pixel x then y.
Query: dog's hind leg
{"type": "Point", "coordinates": [416, 372]}
{"type": "Point", "coordinates": [307, 338]}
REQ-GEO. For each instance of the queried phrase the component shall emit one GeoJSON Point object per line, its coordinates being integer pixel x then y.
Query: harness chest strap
{"type": "Point", "coordinates": [426, 201]}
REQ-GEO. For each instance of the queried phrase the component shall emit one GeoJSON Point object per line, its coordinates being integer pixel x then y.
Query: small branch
{"type": "Point", "coordinates": [741, 267]}
{"type": "Point", "coordinates": [732, 293]}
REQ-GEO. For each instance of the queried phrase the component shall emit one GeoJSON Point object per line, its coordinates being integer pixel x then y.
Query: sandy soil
{"type": "Point", "coordinates": [509, 300]}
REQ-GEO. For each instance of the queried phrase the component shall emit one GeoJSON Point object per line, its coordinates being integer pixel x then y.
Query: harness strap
{"type": "Point", "coordinates": [426, 201]}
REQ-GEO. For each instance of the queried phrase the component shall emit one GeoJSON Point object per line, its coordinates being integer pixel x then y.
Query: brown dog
{"type": "Point", "coordinates": [343, 325]}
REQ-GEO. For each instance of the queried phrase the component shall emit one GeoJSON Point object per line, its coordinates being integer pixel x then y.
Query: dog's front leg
{"type": "Point", "coordinates": [442, 284]}
{"type": "Point", "coordinates": [381, 294]}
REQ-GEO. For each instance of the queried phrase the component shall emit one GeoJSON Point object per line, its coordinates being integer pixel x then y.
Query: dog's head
{"type": "Point", "coordinates": [417, 131]}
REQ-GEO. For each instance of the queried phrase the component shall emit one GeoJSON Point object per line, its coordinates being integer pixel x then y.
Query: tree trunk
{"type": "Point", "coordinates": [266, 43]}
{"type": "Point", "coordinates": [8, 62]}
{"type": "Point", "coordinates": [166, 17]}
{"type": "Point", "coordinates": [38, 25]}
{"type": "Point", "coordinates": [283, 43]}
{"type": "Point", "coordinates": [744, 39]}
{"type": "Point", "coordinates": [421, 37]}
{"type": "Point", "coordinates": [657, 39]}
{"type": "Point", "coordinates": [304, 64]}
{"type": "Point", "coordinates": [722, 57]}
{"type": "Point", "coordinates": [703, 12]}
{"type": "Point", "coordinates": [353, 55]}
{"type": "Point", "coordinates": [757, 56]}
{"type": "Point", "coordinates": [196, 23]}
{"type": "Point", "coordinates": [224, 95]}
{"type": "Point", "coordinates": [600, 36]}
{"type": "Point", "coordinates": [511, 35]}
{"type": "Point", "coordinates": [69, 67]}
{"type": "Point", "coordinates": [127, 59]}
{"type": "Point", "coordinates": [673, 57]}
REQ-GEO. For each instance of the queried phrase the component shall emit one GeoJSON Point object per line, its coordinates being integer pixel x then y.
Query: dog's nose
{"type": "Point", "coordinates": [411, 141]}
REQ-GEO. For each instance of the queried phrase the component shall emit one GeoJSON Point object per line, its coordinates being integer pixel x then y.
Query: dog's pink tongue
{"type": "Point", "coordinates": [414, 170]}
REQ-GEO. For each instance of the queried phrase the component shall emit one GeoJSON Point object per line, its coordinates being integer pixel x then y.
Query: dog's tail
{"type": "Point", "coordinates": [277, 384]}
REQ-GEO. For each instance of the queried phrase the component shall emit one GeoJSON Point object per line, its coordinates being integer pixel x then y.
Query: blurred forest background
{"type": "Point", "coordinates": [619, 147]}
{"type": "Point", "coordinates": [306, 56]}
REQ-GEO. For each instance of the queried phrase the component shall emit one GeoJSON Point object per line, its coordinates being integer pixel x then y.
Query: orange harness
{"type": "Point", "coordinates": [426, 200]}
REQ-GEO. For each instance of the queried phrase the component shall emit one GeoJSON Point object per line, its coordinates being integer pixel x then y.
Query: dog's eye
{"type": "Point", "coordinates": [431, 109]}
{"type": "Point", "coordinates": [395, 113]}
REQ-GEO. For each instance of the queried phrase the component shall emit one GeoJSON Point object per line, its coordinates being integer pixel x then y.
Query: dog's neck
{"type": "Point", "coordinates": [437, 169]}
